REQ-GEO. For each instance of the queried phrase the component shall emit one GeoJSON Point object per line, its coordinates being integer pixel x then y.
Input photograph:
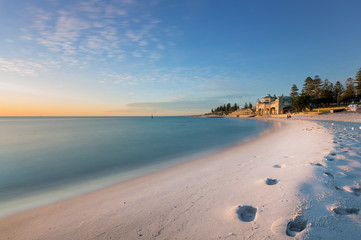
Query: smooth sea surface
{"type": "Point", "coordinates": [44, 159]}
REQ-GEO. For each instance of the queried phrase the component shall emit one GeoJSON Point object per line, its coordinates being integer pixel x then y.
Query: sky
{"type": "Point", "coordinates": [167, 57]}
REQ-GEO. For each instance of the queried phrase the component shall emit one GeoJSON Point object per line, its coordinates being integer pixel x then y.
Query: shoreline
{"type": "Point", "coordinates": [59, 193]}
{"type": "Point", "coordinates": [198, 199]}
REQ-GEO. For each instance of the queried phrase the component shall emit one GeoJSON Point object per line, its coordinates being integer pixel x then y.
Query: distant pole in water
{"type": "Point", "coordinates": [151, 116]}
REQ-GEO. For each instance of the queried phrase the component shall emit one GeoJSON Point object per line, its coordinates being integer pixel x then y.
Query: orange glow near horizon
{"type": "Point", "coordinates": [48, 110]}
{"type": "Point", "coordinates": [17, 104]}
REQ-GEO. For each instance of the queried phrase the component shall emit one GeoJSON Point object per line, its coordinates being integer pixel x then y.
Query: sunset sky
{"type": "Point", "coordinates": [167, 57]}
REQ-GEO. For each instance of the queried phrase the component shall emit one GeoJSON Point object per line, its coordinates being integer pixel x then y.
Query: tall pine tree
{"type": "Point", "coordinates": [228, 108]}
{"type": "Point", "coordinates": [338, 91]}
{"type": "Point", "coordinates": [308, 87]}
{"type": "Point", "coordinates": [326, 92]}
{"type": "Point", "coordinates": [317, 82]}
{"type": "Point", "coordinates": [358, 83]}
{"type": "Point", "coordinates": [349, 93]}
{"type": "Point", "coordinates": [294, 91]}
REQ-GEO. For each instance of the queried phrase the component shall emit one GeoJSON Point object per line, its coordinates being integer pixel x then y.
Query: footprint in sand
{"type": "Point", "coordinates": [279, 166]}
{"type": "Point", "coordinates": [246, 213]}
{"type": "Point", "coordinates": [295, 226]}
{"type": "Point", "coordinates": [329, 175]}
{"type": "Point", "coordinates": [346, 211]}
{"type": "Point", "coordinates": [271, 181]}
{"type": "Point", "coordinates": [317, 164]}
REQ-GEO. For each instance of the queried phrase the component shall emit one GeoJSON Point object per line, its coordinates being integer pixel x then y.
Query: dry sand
{"type": "Point", "coordinates": [302, 180]}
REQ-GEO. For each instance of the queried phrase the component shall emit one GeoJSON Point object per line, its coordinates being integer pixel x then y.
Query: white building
{"type": "Point", "coordinates": [274, 105]}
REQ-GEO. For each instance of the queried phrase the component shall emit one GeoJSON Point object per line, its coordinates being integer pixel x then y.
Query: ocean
{"type": "Point", "coordinates": [45, 159]}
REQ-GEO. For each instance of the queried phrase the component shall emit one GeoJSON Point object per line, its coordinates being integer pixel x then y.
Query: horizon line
{"type": "Point", "coordinates": [109, 116]}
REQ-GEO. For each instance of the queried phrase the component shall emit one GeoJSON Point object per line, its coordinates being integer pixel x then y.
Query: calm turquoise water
{"type": "Point", "coordinates": [37, 154]}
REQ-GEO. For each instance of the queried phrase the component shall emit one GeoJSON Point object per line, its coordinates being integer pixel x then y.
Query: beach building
{"type": "Point", "coordinates": [273, 105]}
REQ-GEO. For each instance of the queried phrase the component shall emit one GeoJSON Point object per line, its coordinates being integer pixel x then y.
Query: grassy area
{"type": "Point", "coordinates": [327, 109]}
{"type": "Point", "coordinates": [320, 110]}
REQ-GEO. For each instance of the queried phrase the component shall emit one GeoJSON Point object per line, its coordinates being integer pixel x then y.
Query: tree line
{"type": "Point", "coordinates": [228, 108]}
{"type": "Point", "coordinates": [323, 93]}
{"type": "Point", "coordinates": [248, 105]}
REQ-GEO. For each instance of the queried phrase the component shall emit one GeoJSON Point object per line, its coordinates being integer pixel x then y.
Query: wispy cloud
{"type": "Point", "coordinates": [21, 67]}
{"type": "Point", "coordinates": [125, 80]}
{"type": "Point", "coordinates": [63, 35]}
{"type": "Point", "coordinates": [132, 36]}
{"type": "Point", "coordinates": [97, 28]}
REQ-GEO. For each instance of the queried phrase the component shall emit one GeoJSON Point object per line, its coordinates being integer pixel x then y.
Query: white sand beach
{"type": "Point", "coordinates": [301, 181]}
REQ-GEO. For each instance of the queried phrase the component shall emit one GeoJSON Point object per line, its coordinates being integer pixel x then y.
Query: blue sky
{"type": "Point", "coordinates": [131, 57]}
